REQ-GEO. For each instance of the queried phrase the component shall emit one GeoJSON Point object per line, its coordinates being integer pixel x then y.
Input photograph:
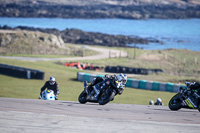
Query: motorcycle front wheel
{"type": "Point", "coordinates": [82, 97]}
{"type": "Point", "coordinates": [106, 97]}
{"type": "Point", "coordinates": [175, 103]}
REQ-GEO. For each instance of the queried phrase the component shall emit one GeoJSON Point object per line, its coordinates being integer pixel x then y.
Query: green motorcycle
{"type": "Point", "coordinates": [188, 97]}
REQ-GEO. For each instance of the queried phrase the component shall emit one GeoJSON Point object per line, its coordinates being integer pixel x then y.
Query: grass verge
{"type": "Point", "coordinates": [70, 88]}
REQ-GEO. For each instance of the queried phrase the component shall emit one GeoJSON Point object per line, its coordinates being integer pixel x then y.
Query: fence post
{"type": "Point", "coordinates": [134, 52]}
{"type": "Point", "coordinates": [195, 60]}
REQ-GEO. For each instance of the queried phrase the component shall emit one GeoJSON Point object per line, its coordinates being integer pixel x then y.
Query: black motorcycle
{"type": "Point", "coordinates": [186, 98]}
{"type": "Point", "coordinates": [102, 93]}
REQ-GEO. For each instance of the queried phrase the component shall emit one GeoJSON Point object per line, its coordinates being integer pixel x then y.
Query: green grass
{"type": "Point", "coordinates": [138, 96]}
{"type": "Point", "coordinates": [77, 51]}
{"type": "Point", "coordinates": [171, 61]}
{"type": "Point", "coordinates": [39, 56]}
{"type": "Point", "coordinates": [179, 66]}
{"type": "Point", "coordinates": [70, 88]}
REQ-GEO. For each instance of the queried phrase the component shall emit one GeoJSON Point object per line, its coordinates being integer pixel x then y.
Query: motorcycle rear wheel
{"type": "Point", "coordinates": [175, 103]}
{"type": "Point", "coordinates": [198, 107]}
{"type": "Point", "coordinates": [82, 97]}
{"type": "Point", "coordinates": [106, 97]}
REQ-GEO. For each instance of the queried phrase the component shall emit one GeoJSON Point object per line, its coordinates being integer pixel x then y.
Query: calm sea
{"type": "Point", "coordinates": [175, 33]}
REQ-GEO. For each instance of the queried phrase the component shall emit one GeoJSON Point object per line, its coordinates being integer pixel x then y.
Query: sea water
{"type": "Point", "coordinates": [175, 33]}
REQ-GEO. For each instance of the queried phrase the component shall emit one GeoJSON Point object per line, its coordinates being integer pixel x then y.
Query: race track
{"type": "Point", "coordinates": [38, 116]}
{"type": "Point", "coordinates": [103, 53]}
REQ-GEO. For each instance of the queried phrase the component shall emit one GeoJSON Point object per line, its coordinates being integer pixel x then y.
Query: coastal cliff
{"type": "Point", "coordinates": [77, 36]}
{"type": "Point", "coordinates": [29, 42]}
{"type": "Point", "coordinates": [129, 9]}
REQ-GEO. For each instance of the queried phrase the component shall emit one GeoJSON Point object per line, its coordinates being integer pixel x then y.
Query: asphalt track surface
{"type": "Point", "coordinates": [38, 116]}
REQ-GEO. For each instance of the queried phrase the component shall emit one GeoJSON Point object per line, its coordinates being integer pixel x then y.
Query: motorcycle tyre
{"type": "Point", "coordinates": [198, 107]}
{"type": "Point", "coordinates": [176, 106]}
{"type": "Point", "coordinates": [82, 97]}
{"type": "Point", "coordinates": [107, 99]}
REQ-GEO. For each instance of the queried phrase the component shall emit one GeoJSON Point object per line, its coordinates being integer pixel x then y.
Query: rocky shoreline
{"type": "Point", "coordinates": [89, 9]}
{"type": "Point", "coordinates": [76, 36]}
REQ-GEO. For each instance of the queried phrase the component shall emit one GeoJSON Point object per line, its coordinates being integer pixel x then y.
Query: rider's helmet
{"type": "Point", "coordinates": [122, 78]}
{"type": "Point", "coordinates": [151, 102]}
{"type": "Point", "coordinates": [159, 100]}
{"type": "Point", "coordinates": [52, 80]}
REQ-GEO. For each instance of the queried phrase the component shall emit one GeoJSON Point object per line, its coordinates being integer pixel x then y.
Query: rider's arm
{"type": "Point", "coordinates": [44, 87]}
{"type": "Point", "coordinates": [57, 91]}
{"type": "Point", "coordinates": [195, 85]}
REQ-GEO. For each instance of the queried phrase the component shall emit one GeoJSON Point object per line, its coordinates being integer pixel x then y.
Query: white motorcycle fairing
{"type": "Point", "coordinates": [48, 95]}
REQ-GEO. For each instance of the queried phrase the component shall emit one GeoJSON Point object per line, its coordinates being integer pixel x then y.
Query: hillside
{"type": "Point", "coordinates": [129, 9]}
{"type": "Point", "coordinates": [29, 42]}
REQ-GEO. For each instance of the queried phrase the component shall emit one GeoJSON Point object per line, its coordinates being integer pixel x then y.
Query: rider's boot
{"type": "Point", "coordinates": [56, 98]}
{"type": "Point", "coordinates": [40, 97]}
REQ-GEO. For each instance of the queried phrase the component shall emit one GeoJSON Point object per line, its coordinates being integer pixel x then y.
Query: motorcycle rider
{"type": "Point", "coordinates": [151, 102]}
{"type": "Point", "coordinates": [158, 102]}
{"type": "Point", "coordinates": [121, 81]}
{"type": "Point", "coordinates": [194, 86]}
{"type": "Point", "coordinates": [52, 85]}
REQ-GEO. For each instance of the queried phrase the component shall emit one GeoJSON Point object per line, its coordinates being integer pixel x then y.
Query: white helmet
{"type": "Point", "coordinates": [52, 80]}
{"type": "Point", "coordinates": [122, 78]}
{"type": "Point", "coordinates": [159, 100]}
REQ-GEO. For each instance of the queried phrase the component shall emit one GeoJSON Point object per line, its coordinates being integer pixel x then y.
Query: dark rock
{"type": "Point", "coordinates": [129, 9]}
{"type": "Point", "coordinates": [76, 36]}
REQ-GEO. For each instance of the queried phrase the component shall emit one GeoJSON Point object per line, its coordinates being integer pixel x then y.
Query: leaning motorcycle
{"type": "Point", "coordinates": [48, 95]}
{"type": "Point", "coordinates": [185, 98]}
{"type": "Point", "coordinates": [101, 93]}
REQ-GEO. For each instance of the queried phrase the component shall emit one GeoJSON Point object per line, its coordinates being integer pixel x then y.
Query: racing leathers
{"type": "Point", "coordinates": [195, 86]}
